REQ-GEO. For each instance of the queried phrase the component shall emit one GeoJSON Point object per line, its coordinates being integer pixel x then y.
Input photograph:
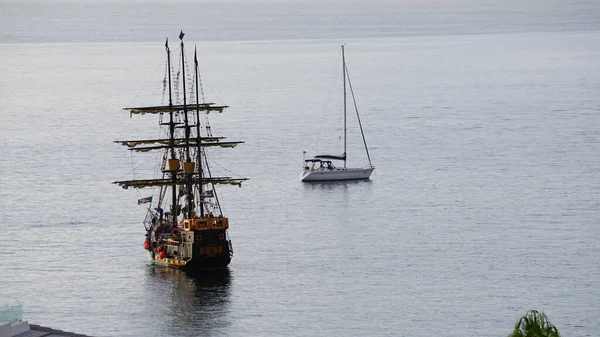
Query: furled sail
{"type": "Point", "coordinates": [330, 156]}
{"type": "Point", "coordinates": [208, 107]}
{"type": "Point", "coordinates": [159, 147]}
{"type": "Point", "coordinates": [177, 141]}
{"type": "Point", "coordinates": [141, 183]}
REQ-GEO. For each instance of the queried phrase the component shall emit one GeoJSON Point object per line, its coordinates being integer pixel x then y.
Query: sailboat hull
{"type": "Point", "coordinates": [336, 174]}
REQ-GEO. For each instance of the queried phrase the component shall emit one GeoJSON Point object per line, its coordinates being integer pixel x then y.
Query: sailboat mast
{"type": "Point", "coordinates": [344, 76]}
{"type": "Point", "coordinates": [199, 138]}
{"type": "Point", "coordinates": [172, 137]}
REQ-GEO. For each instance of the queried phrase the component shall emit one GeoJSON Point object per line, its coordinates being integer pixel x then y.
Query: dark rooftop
{"type": "Point", "coordinates": [42, 331]}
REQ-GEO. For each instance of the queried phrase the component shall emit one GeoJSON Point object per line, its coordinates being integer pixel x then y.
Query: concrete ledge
{"type": "Point", "coordinates": [19, 328]}
{"type": "Point", "coordinates": [5, 329]}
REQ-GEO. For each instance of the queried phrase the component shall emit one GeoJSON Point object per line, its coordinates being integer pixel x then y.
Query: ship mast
{"type": "Point", "coordinates": [179, 172]}
{"type": "Point", "coordinates": [199, 138]}
{"type": "Point", "coordinates": [344, 76]}
{"type": "Point", "coordinates": [186, 166]}
{"type": "Point", "coordinates": [172, 139]}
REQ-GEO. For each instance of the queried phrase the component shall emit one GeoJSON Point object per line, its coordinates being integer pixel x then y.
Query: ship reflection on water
{"type": "Point", "coordinates": [192, 304]}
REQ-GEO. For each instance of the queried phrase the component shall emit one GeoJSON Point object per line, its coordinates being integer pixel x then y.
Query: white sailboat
{"type": "Point", "coordinates": [321, 167]}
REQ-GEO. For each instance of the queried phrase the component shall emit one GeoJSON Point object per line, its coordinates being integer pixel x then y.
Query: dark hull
{"type": "Point", "coordinates": [203, 260]}
{"type": "Point", "coordinates": [202, 263]}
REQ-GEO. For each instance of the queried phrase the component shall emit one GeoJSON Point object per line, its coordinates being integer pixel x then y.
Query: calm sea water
{"type": "Point", "coordinates": [482, 120]}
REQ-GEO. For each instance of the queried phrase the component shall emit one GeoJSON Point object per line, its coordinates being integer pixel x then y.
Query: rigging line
{"type": "Point", "coordinates": [139, 193]}
{"type": "Point", "coordinates": [199, 77]}
{"type": "Point", "coordinates": [201, 87]}
{"type": "Point", "coordinates": [152, 72]}
{"type": "Point", "coordinates": [213, 185]}
{"type": "Point", "coordinates": [176, 87]}
{"type": "Point", "coordinates": [134, 169]}
{"type": "Point", "coordinates": [127, 176]}
{"type": "Point", "coordinates": [218, 97]}
{"type": "Point", "coordinates": [207, 126]}
{"type": "Point", "coordinates": [176, 82]}
{"type": "Point", "coordinates": [159, 161]}
{"type": "Point", "coordinates": [190, 82]}
{"type": "Point", "coordinates": [165, 81]}
{"type": "Point", "coordinates": [132, 166]}
{"type": "Point", "coordinates": [358, 117]}
{"type": "Point", "coordinates": [224, 169]}
{"type": "Point", "coordinates": [158, 168]}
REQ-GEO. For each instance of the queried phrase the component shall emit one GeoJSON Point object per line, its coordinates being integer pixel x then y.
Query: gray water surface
{"type": "Point", "coordinates": [483, 205]}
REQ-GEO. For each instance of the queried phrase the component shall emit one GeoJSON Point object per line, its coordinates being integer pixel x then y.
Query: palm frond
{"type": "Point", "coordinates": [534, 324]}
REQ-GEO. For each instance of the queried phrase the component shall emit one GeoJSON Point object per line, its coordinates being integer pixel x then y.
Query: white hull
{"type": "Point", "coordinates": [336, 174]}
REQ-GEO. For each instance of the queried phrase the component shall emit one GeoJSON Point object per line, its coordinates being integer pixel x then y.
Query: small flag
{"type": "Point", "coordinates": [208, 194]}
{"type": "Point", "coordinates": [167, 44]}
{"type": "Point", "coordinates": [195, 58]}
{"type": "Point", "coordinates": [181, 35]}
{"type": "Point", "coordinates": [144, 200]}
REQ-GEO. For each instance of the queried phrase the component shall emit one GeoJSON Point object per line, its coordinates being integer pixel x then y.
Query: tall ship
{"type": "Point", "coordinates": [185, 225]}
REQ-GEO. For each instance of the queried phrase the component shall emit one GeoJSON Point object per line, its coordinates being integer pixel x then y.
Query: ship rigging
{"type": "Point", "coordinates": [185, 225]}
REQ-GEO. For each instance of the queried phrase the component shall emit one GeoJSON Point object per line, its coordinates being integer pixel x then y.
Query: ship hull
{"type": "Point", "coordinates": [204, 257]}
{"type": "Point", "coordinates": [185, 226]}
